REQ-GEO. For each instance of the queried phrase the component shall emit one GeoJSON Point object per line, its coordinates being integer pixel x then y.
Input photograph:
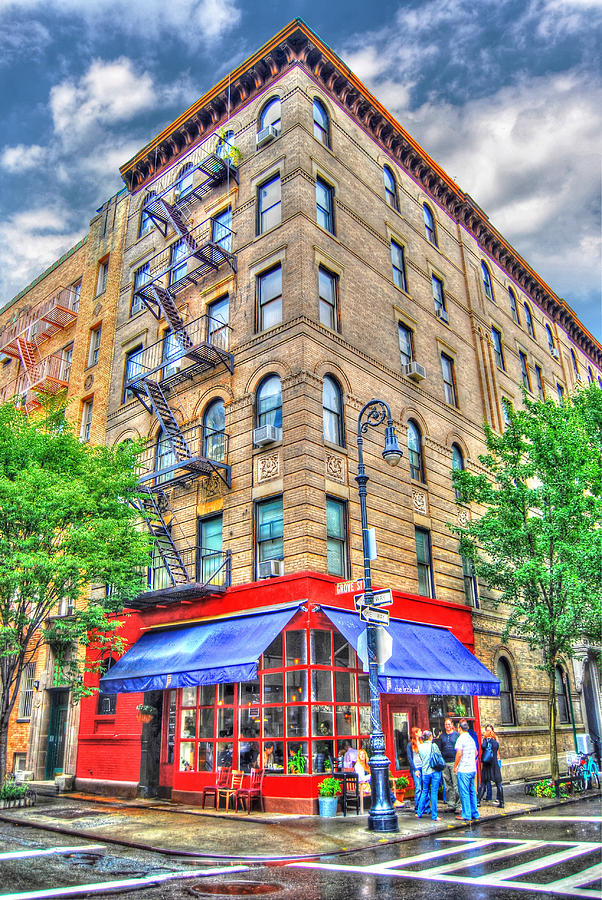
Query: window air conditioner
{"type": "Point", "coordinates": [555, 353]}
{"type": "Point", "coordinates": [414, 371]}
{"type": "Point", "coordinates": [266, 135]}
{"type": "Point", "coordinates": [271, 568]}
{"type": "Point", "coordinates": [267, 434]}
{"type": "Point", "coordinates": [442, 314]}
{"type": "Point", "coordinates": [579, 378]}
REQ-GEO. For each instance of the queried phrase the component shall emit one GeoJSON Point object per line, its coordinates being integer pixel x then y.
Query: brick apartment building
{"type": "Point", "coordinates": [289, 253]}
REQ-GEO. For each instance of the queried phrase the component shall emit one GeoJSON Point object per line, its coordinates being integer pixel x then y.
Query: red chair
{"type": "Point", "coordinates": [253, 792]}
{"type": "Point", "coordinates": [223, 780]}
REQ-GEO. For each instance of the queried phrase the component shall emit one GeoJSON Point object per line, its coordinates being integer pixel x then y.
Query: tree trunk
{"type": "Point", "coordinates": [4, 720]}
{"type": "Point", "coordinates": [552, 722]}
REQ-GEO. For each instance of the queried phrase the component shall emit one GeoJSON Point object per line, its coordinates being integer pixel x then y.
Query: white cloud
{"type": "Point", "coordinates": [22, 158]}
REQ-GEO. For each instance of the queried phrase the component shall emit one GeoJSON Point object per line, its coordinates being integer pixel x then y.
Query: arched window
{"type": "Point", "coordinates": [415, 451]}
{"type": "Point", "coordinates": [268, 409]}
{"type": "Point", "coordinates": [574, 362]}
{"type": "Point", "coordinates": [590, 375]}
{"type": "Point", "coordinates": [562, 698]}
{"type": "Point", "coordinates": [550, 337]}
{"type": "Point", "coordinates": [529, 320]}
{"type": "Point", "coordinates": [506, 692]}
{"type": "Point", "coordinates": [391, 188]}
{"type": "Point", "coordinates": [513, 306]}
{"type": "Point", "coordinates": [107, 703]}
{"type": "Point", "coordinates": [270, 114]}
{"type": "Point", "coordinates": [214, 431]}
{"type": "Point", "coordinates": [429, 224]}
{"type": "Point", "coordinates": [457, 464]}
{"type": "Point", "coordinates": [321, 123]}
{"type": "Point", "coordinates": [185, 181]}
{"type": "Point", "coordinates": [487, 284]}
{"type": "Point", "coordinates": [146, 223]}
{"type": "Point", "coordinates": [224, 144]}
{"type": "Point", "coordinates": [332, 411]}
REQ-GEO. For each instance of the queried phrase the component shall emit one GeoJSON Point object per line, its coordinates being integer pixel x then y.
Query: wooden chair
{"type": "Point", "coordinates": [352, 795]}
{"type": "Point", "coordinates": [231, 789]}
{"type": "Point", "coordinates": [223, 780]}
{"type": "Point", "coordinates": [253, 792]}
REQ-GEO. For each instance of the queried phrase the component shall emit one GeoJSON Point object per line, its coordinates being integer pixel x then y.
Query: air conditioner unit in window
{"type": "Point", "coordinates": [271, 568]}
{"type": "Point", "coordinates": [266, 135]}
{"type": "Point", "coordinates": [442, 314]}
{"type": "Point", "coordinates": [267, 434]}
{"type": "Point", "coordinates": [555, 353]}
{"type": "Point", "coordinates": [579, 378]}
{"type": "Point", "coordinates": [414, 371]}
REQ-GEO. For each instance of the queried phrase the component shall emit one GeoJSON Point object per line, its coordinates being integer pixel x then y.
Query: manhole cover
{"type": "Point", "coordinates": [237, 889]}
{"type": "Point", "coordinates": [69, 813]}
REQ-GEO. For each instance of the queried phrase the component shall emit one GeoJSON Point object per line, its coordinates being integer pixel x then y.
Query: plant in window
{"type": "Point", "coordinates": [226, 149]}
{"type": "Point", "coordinates": [297, 763]}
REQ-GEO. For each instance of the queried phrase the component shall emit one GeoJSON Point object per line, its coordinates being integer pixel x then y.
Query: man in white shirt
{"type": "Point", "coordinates": [465, 767]}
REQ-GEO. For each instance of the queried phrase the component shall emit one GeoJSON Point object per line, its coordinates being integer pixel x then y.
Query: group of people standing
{"type": "Point", "coordinates": [460, 751]}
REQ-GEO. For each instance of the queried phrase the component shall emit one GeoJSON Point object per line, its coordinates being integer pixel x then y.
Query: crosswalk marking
{"type": "Point", "coordinates": [50, 851]}
{"type": "Point", "coordinates": [553, 853]}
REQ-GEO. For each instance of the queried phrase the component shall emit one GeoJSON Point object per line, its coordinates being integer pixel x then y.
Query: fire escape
{"type": "Point", "coordinates": [189, 349]}
{"type": "Point", "coordinates": [41, 375]}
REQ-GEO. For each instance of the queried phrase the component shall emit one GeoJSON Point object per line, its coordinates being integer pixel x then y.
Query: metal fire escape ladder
{"type": "Point", "coordinates": [151, 505]}
{"type": "Point", "coordinates": [160, 406]}
{"type": "Point", "coordinates": [28, 351]}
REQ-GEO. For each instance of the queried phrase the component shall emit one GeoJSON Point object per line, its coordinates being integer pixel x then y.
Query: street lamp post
{"type": "Point", "coordinates": [382, 815]}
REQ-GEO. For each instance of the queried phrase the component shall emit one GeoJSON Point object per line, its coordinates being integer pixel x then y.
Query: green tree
{"type": "Point", "coordinates": [65, 525]}
{"type": "Point", "coordinates": [535, 536]}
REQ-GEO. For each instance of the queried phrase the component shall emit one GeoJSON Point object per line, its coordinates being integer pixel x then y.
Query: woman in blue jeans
{"type": "Point", "coordinates": [430, 778]}
{"type": "Point", "coordinates": [415, 762]}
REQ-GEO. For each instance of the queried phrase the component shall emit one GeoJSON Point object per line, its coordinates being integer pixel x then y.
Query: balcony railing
{"type": "Point", "coordinates": [209, 572]}
{"type": "Point", "coordinates": [193, 184]}
{"type": "Point", "coordinates": [160, 465]}
{"type": "Point", "coordinates": [41, 322]}
{"type": "Point", "coordinates": [182, 354]}
{"type": "Point", "coordinates": [49, 376]}
{"type": "Point", "coordinates": [204, 249]}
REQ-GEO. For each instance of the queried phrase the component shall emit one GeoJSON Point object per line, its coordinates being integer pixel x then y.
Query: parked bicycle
{"type": "Point", "coordinates": [585, 772]}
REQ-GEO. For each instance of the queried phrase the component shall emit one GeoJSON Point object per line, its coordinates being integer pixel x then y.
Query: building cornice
{"type": "Point", "coordinates": [296, 44]}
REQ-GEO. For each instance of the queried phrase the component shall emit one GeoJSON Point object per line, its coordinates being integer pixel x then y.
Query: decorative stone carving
{"type": "Point", "coordinates": [335, 467]}
{"type": "Point", "coordinates": [463, 518]}
{"type": "Point", "coordinates": [211, 487]}
{"type": "Point", "coordinates": [268, 467]}
{"type": "Point", "coordinates": [97, 309]}
{"type": "Point", "coordinates": [420, 502]}
{"type": "Point", "coordinates": [88, 382]}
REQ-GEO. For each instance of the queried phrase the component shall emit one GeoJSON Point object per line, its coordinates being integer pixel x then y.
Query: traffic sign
{"type": "Point", "coordinates": [349, 587]}
{"type": "Point", "coordinates": [384, 647]}
{"type": "Point", "coordinates": [375, 616]}
{"type": "Point", "coordinates": [382, 597]}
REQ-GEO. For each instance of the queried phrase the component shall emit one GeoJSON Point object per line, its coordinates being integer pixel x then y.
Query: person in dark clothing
{"type": "Point", "coordinates": [447, 745]}
{"type": "Point", "coordinates": [490, 767]}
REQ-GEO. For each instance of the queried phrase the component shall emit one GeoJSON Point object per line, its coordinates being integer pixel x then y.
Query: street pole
{"type": "Point", "coordinates": [382, 815]}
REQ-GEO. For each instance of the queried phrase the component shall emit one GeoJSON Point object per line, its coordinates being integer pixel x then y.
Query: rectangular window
{"type": "Point", "coordinates": [86, 421]}
{"type": "Point", "coordinates": [439, 296]}
{"type": "Point", "coordinates": [325, 205]}
{"type": "Point", "coordinates": [399, 266]}
{"type": "Point", "coordinates": [221, 230]}
{"type": "Point", "coordinates": [449, 379]}
{"type": "Point", "coordinates": [506, 406]}
{"type": "Point", "coordinates": [101, 279]}
{"type": "Point", "coordinates": [268, 205]}
{"type": "Point", "coordinates": [132, 370]}
{"type": "Point", "coordinates": [26, 692]}
{"type": "Point", "coordinates": [218, 314]}
{"type": "Point", "coordinates": [336, 536]}
{"type": "Point", "coordinates": [269, 294]}
{"type": "Point", "coordinates": [328, 290]}
{"type": "Point", "coordinates": [524, 370]}
{"type": "Point", "coordinates": [560, 392]}
{"type": "Point", "coordinates": [471, 588]}
{"type": "Point", "coordinates": [141, 277]}
{"type": "Point", "coordinates": [406, 344]}
{"type": "Point", "coordinates": [178, 261]}
{"type": "Point", "coordinates": [76, 292]}
{"type": "Point", "coordinates": [67, 358]}
{"type": "Point", "coordinates": [211, 558]}
{"type": "Point", "coordinates": [94, 345]}
{"type": "Point", "coordinates": [424, 562]}
{"type": "Point", "coordinates": [539, 381]}
{"type": "Point", "coordinates": [269, 529]}
{"type": "Point", "coordinates": [498, 349]}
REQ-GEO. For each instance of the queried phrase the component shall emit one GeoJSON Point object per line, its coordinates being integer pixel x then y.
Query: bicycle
{"type": "Point", "coordinates": [584, 772]}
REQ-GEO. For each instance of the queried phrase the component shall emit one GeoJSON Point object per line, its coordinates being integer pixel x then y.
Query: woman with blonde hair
{"type": "Point", "coordinates": [362, 770]}
{"type": "Point", "coordinates": [415, 762]}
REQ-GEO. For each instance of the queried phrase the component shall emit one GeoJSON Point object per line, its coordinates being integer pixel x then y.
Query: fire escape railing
{"type": "Point", "coordinates": [195, 451]}
{"type": "Point", "coordinates": [39, 324]}
{"type": "Point", "coordinates": [195, 347]}
{"type": "Point", "coordinates": [48, 376]}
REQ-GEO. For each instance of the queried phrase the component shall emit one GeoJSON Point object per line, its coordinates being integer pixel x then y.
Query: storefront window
{"type": "Point", "coordinates": [296, 654]}
{"type": "Point", "coordinates": [453, 706]}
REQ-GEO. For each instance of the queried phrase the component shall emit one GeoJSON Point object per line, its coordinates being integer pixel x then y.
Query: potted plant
{"type": "Point", "coordinates": [296, 763]}
{"type": "Point", "coordinates": [460, 709]}
{"type": "Point", "coordinates": [400, 786]}
{"type": "Point", "coordinates": [145, 713]}
{"type": "Point", "coordinates": [328, 791]}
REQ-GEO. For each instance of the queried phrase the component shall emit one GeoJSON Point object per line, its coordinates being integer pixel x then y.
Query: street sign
{"type": "Point", "coordinates": [349, 587]}
{"type": "Point", "coordinates": [376, 616]}
{"type": "Point", "coordinates": [382, 597]}
{"type": "Point", "coordinates": [384, 647]}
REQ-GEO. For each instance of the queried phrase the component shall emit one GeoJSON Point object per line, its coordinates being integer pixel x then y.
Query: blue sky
{"type": "Point", "coordinates": [505, 95]}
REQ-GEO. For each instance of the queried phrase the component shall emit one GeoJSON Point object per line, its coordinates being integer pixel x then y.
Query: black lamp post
{"type": "Point", "coordinates": [382, 815]}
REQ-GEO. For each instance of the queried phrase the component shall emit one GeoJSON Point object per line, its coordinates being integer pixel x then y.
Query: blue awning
{"type": "Point", "coordinates": [426, 659]}
{"type": "Point", "coordinates": [215, 652]}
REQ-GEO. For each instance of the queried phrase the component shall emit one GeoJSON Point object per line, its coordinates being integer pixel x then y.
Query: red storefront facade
{"type": "Point", "coordinates": [308, 701]}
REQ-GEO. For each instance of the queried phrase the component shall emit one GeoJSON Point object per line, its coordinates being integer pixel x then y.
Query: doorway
{"type": "Point", "coordinates": [57, 734]}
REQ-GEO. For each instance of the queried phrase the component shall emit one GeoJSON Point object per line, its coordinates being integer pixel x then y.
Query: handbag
{"type": "Point", "coordinates": [436, 761]}
{"type": "Point", "coordinates": [487, 754]}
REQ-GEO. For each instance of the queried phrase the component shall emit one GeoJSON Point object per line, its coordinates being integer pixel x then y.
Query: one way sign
{"type": "Point", "coordinates": [379, 598]}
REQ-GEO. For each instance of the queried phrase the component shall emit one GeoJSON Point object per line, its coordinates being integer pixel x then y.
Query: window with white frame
{"type": "Point", "coordinates": [86, 420]}
{"type": "Point", "coordinates": [94, 345]}
{"type": "Point", "coordinates": [26, 691]}
{"type": "Point", "coordinates": [269, 298]}
{"type": "Point", "coordinates": [398, 263]}
{"type": "Point", "coordinates": [328, 291]}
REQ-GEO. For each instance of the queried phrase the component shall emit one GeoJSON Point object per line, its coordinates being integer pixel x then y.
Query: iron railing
{"type": "Point", "coordinates": [42, 321]}
{"type": "Point", "coordinates": [211, 171]}
{"type": "Point", "coordinates": [208, 454]}
{"type": "Point", "coordinates": [48, 376]}
{"type": "Point", "coordinates": [210, 568]}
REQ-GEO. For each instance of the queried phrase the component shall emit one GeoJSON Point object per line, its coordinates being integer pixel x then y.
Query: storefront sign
{"type": "Point", "coordinates": [349, 587]}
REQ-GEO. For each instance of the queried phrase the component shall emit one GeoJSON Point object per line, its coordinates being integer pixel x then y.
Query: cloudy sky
{"type": "Point", "coordinates": [505, 94]}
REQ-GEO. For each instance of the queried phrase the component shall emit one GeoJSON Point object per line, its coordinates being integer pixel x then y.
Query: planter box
{"type": "Point", "coordinates": [15, 804]}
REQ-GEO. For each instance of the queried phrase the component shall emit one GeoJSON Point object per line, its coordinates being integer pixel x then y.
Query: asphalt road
{"type": "Point", "coordinates": [555, 853]}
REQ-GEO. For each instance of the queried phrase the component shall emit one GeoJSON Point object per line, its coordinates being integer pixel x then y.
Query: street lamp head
{"type": "Point", "coordinates": [392, 453]}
